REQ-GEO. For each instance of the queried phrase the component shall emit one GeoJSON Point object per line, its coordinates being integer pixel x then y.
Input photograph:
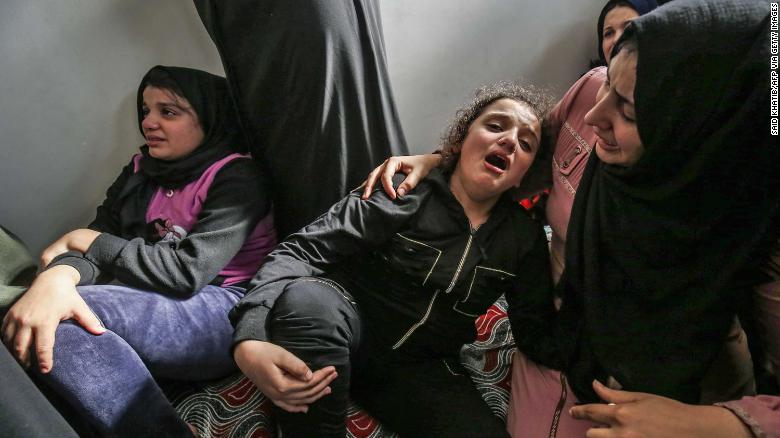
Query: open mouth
{"type": "Point", "coordinates": [497, 161]}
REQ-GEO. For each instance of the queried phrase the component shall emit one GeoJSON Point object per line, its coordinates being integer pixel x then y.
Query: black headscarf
{"type": "Point", "coordinates": [209, 97]}
{"type": "Point", "coordinates": [640, 6]}
{"type": "Point", "coordinates": [661, 255]}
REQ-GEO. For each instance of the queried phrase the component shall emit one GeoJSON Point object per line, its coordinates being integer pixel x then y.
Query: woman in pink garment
{"type": "Point", "coordinates": [538, 408]}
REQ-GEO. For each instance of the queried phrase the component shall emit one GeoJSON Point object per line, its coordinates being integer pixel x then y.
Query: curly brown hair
{"type": "Point", "coordinates": [538, 100]}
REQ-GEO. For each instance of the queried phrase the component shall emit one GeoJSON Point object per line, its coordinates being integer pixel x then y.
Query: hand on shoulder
{"type": "Point", "coordinates": [416, 167]}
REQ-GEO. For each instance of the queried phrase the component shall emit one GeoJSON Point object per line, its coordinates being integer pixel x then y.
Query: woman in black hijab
{"type": "Point", "coordinates": [676, 215]}
{"type": "Point", "coordinates": [613, 19]}
{"type": "Point", "coordinates": [182, 229]}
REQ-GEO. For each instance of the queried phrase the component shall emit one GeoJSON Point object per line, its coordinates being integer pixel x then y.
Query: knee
{"type": "Point", "coordinates": [311, 298]}
{"type": "Point", "coordinates": [315, 308]}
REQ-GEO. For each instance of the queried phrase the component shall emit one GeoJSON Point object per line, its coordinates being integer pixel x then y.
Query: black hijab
{"type": "Point", "coordinates": [660, 256]}
{"type": "Point", "coordinates": [641, 7]}
{"type": "Point", "coordinates": [209, 97]}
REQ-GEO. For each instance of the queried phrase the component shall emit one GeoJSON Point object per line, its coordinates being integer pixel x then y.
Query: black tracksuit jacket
{"type": "Point", "coordinates": [418, 272]}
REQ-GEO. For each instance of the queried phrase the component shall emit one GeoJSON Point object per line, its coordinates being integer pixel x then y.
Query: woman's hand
{"type": "Point", "coordinates": [416, 167]}
{"type": "Point", "coordinates": [32, 321]}
{"type": "Point", "coordinates": [637, 414]}
{"type": "Point", "coordinates": [281, 376]}
{"type": "Point", "coordinates": [77, 240]}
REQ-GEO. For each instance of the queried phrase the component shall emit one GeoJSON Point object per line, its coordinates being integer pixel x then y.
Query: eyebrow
{"type": "Point", "coordinates": [172, 103]}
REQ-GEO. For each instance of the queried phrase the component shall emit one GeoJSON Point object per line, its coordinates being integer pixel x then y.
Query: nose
{"type": "Point", "coordinates": [149, 123]}
{"type": "Point", "coordinates": [509, 141]}
{"type": "Point", "coordinates": [597, 116]}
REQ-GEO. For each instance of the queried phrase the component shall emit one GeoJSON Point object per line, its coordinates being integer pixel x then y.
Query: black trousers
{"type": "Point", "coordinates": [24, 411]}
{"type": "Point", "coordinates": [319, 322]}
{"type": "Point", "coordinates": [310, 83]}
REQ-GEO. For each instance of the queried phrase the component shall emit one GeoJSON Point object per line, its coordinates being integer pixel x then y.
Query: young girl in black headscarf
{"type": "Point", "coordinates": [183, 228]}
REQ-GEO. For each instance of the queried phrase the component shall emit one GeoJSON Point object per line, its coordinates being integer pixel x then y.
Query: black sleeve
{"type": "Point", "coordinates": [531, 308]}
{"type": "Point", "coordinates": [348, 227]}
{"type": "Point", "coordinates": [235, 203]}
{"type": "Point", "coordinates": [88, 271]}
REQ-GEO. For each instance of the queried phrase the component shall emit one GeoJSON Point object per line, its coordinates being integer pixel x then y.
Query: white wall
{"type": "Point", "coordinates": [440, 51]}
{"type": "Point", "coordinates": [69, 72]}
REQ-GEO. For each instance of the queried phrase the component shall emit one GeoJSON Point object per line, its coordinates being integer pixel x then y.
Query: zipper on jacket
{"type": "Point", "coordinates": [460, 265]}
{"type": "Point", "coordinates": [561, 403]}
{"type": "Point", "coordinates": [435, 294]}
{"type": "Point", "coordinates": [418, 323]}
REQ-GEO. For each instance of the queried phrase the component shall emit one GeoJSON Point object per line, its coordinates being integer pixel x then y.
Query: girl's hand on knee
{"type": "Point", "coordinates": [416, 167]}
{"type": "Point", "coordinates": [281, 376]}
{"type": "Point", "coordinates": [32, 321]}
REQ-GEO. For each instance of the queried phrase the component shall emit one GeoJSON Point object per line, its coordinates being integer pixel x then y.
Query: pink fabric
{"type": "Point", "coordinates": [760, 413]}
{"type": "Point", "coordinates": [244, 265]}
{"type": "Point", "coordinates": [573, 146]}
{"type": "Point", "coordinates": [536, 393]}
{"type": "Point", "coordinates": [182, 207]}
{"type": "Point", "coordinates": [767, 299]}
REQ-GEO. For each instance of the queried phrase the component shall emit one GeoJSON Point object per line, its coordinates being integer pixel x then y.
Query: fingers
{"type": "Point", "coordinates": [597, 413]}
{"type": "Point", "coordinates": [21, 346]}
{"type": "Point", "coordinates": [291, 388]}
{"type": "Point", "coordinates": [309, 400]}
{"type": "Point", "coordinates": [314, 390]}
{"type": "Point", "coordinates": [615, 396]}
{"type": "Point", "coordinates": [600, 432]}
{"type": "Point", "coordinates": [87, 319]}
{"type": "Point", "coordinates": [298, 399]}
{"type": "Point", "coordinates": [292, 365]}
{"type": "Point", "coordinates": [410, 182]}
{"type": "Point", "coordinates": [44, 347]}
{"type": "Point", "coordinates": [7, 330]}
{"type": "Point", "coordinates": [372, 179]}
{"type": "Point", "coordinates": [392, 167]}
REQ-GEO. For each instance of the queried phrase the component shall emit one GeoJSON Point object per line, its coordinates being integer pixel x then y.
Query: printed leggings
{"type": "Point", "coordinates": [108, 379]}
